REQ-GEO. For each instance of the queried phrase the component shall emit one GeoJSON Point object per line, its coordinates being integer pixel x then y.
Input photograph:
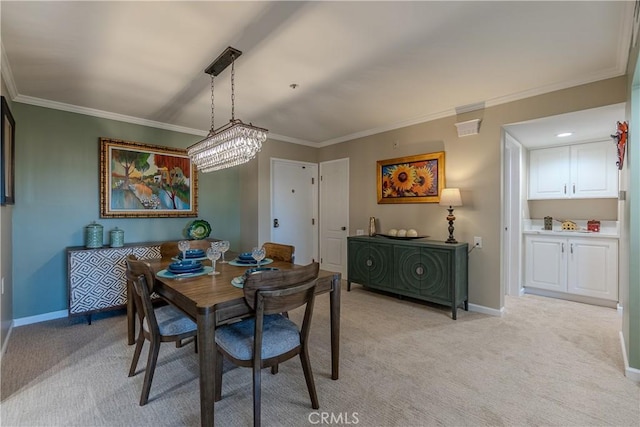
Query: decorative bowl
{"type": "Point", "coordinates": [197, 229]}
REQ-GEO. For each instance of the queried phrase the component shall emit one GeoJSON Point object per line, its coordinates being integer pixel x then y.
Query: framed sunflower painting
{"type": "Point", "coordinates": [411, 179]}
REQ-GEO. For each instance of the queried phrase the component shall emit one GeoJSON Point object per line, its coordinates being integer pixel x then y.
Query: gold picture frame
{"type": "Point", "coordinates": [411, 179]}
{"type": "Point", "coordinates": [146, 181]}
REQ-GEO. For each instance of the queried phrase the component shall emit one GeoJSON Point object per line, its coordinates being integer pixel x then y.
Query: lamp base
{"type": "Point", "coordinates": [451, 218]}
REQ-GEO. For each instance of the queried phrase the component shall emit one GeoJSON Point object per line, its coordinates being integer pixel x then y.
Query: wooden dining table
{"type": "Point", "coordinates": [212, 301]}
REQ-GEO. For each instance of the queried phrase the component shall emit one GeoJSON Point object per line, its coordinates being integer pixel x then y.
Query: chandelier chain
{"type": "Point", "coordinates": [234, 143]}
{"type": "Point", "coordinates": [233, 95]}
{"type": "Point", "coordinates": [212, 104]}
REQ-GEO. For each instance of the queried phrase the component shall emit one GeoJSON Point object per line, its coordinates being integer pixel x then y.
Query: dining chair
{"type": "Point", "coordinates": [170, 249]}
{"type": "Point", "coordinates": [270, 338]}
{"type": "Point", "coordinates": [157, 325]}
{"type": "Point", "coordinates": [279, 251]}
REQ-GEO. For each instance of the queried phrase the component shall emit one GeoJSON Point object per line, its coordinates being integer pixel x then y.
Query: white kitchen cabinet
{"type": "Point", "coordinates": [593, 268]}
{"type": "Point", "coordinates": [578, 171]}
{"type": "Point", "coordinates": [582, 266]}
{"type": "Point", "coordinates": [546, 263]}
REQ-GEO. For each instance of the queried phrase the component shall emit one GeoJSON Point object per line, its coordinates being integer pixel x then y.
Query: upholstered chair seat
{"type": "Point", "coordinates": [279, 335]}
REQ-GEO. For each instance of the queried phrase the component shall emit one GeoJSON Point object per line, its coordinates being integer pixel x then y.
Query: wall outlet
{"type": "Point", "coordinates": [477, 242]}
{"type": "Point", "coordinates": [396, 144]}
{"type": "Point", "coordinates": [359, 232]}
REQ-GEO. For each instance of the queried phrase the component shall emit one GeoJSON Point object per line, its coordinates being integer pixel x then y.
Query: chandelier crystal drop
{"type": "Point", "coordinates": [234, 143]}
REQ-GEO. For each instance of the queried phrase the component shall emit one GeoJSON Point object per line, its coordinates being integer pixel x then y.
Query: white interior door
{"type": "Point", "coordinates": [334, 215]}
{"type": "Point", "coordinates": [512, 214]}
{"type": "Point", "coordinates": [294, 207]}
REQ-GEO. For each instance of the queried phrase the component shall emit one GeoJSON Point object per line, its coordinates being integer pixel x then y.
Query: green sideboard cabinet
{"type": "Point", "coordinates": [423, 269]}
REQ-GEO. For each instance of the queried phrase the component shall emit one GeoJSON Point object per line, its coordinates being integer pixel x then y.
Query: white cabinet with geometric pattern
{"type": "Point", "coordinates": [96, 277]}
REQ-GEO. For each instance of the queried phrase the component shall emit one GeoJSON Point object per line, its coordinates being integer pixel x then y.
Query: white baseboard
{"type": "Point", "coordinates": [6, 340]}
{"type": "Point", "coordinates": [40, 318]}
{"type": "Point", "coordinates": [486, 310]}
{"type": "Point", "coordinates": [629, 372]}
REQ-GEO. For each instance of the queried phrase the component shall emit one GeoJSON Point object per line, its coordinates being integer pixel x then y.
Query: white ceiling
{"type": "Point", "coordinates": [361, 67]}
{"type": "Point", "coordinates": [596, 124]}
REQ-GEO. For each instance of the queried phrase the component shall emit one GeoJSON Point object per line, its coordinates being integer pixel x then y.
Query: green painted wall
{"type": "Point", "coordinates": [57, 195]}
{"type": "Point", "coordinates": [631, 327]}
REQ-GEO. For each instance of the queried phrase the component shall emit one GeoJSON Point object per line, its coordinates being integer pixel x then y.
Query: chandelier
{"type": "Point", "coordinates": [234, 143]}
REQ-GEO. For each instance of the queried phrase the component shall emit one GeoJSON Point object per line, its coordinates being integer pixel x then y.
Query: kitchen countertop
{"type": "Point", "coordinates": [608, 229]}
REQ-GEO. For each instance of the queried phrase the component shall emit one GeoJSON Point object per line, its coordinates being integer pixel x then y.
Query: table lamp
{"type": "Point", "coordinates": [450, 197]}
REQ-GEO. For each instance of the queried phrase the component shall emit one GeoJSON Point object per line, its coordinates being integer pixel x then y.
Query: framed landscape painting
{"type": "Point", "coordinates": [146, 181]}
{"type": "Point", "coordinates": [411, 179]}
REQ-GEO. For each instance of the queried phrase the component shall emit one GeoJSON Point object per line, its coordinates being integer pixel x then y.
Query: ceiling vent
{"type": "Point", "coordinates": [470, 127]}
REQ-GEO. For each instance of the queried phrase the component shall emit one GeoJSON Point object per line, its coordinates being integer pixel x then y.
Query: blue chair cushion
{"type": "Point", "coordinates": [172, 321]}
{"type": "Point", "coordinates": [279, 335]}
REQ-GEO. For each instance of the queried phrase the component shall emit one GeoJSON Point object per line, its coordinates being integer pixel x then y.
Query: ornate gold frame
{"type": "Point", "coordinates": [411, 179]}
{"type": "Point", "coordinates": [146, 181]}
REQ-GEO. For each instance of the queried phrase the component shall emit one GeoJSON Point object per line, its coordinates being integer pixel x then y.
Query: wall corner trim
{"type": "Point", "coordinates": [6, 341]}
{"type": "Point", "coordinates": [632, 373]}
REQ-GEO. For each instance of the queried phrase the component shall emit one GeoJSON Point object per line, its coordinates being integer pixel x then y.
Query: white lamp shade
{"type": "Point", "coordinates": [450, 197]}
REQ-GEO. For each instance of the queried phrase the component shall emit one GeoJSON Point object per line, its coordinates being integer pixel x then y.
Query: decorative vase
{"type": "Point", "coordinates": [372, 226]}
{"type": "Point", "coordinates": [93, 235]}
{"type": "Point", "coordinates": [117, 238]}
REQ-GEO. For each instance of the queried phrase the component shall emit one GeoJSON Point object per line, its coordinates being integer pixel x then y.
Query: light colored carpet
{"type": "Point", "coordinates": [546, 362]}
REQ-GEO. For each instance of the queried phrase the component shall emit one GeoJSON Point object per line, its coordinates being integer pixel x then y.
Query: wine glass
{"type": "Point", "coordinates": [184, 245]}
{"type": "Point", "coordinates": [258, 254]}
{"type": "Point", "coordinates": [224, 247]}
{"type": "Point", "coordinates": [213, 253]}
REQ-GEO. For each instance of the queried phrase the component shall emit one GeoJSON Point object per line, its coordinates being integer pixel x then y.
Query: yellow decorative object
{"type": "Point", "coordinates": [569, 225]}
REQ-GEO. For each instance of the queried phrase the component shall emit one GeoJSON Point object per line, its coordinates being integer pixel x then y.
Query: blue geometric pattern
{"type": "Point", "coordinates": [97, 278]}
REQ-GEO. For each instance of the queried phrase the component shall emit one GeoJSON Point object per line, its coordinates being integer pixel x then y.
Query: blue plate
{"type": "Point", "coordinates": [193, 253]}
{"type": "Point", "coordinates": [260, 270]}
{"type": "Point", "coordinates": [189, 271]}
{"type": "Point", "coordinates": [169, 275]}
{"type": "Point", "coordinates": [240, 263]}
{"type": "Point", "coordinates": [238, 282]}
{"type": "Point", "coordinates": [246, 256]}
{"type": "Point", "coordinates": [184, 266]}
{"type": "Point", "coordinates": [245, 261]}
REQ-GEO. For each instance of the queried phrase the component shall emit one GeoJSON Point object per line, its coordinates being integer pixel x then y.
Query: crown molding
{"type": "Point", "coordinates": [608, 74]}
{"type": "Point", "coordinates": [106, 115]}
{"type": "Point", "coordinates": [393, 126]}
{"type": "Point", "coordinates": [611, 73]}
{"type": "Point", "coordinates": [7, 74]}
{"type": "Point", "coordinates": [292, 140]}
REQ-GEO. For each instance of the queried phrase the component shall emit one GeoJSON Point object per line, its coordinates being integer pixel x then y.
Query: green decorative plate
{"type": "Point", "coordinates": [198, 229]}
